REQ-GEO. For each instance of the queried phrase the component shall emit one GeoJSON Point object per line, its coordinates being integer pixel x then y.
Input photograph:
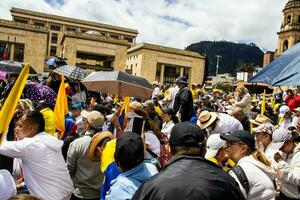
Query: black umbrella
{"type": "Point", "coordinates": [118, 83]}
{"type": "Point", "coordinates": [14, 67]}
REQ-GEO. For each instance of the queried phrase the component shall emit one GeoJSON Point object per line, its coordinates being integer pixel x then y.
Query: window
{"type": "Point", "coordinates": [53, 51]}
{"type": "Point", "coordinates": [71, 29]}
{"type": "Point", "coordinates": [19, 52]}
{"type": "Point", "coordinates": [129, 39]}
{"type": "Point", "coordinates": [20, 20]}
{"type": "Point", "coordinates": [38, 23]}
{"type": "Point", "coordinates": [299, 19]}
{"type": "Point", "coordinates": [84, 30]}
{"type": "Point", "coordinates": [114, 36]}
{"type": "Point", "coordinates": [54, 38]}
{"type": "Point", "coordinates": [289, 19]}
{"type": "Point", "coordinates": [55, 27]}
{"type": "Point", "coordinates": [285, 45]}
{"type": "Point", "coordinates": [2, 50]}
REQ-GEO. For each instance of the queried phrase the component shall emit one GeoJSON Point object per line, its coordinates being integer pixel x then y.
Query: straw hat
{"type": "Point", "coordinates": [260, 119]}
{"type": "Point", "coordinates": [92, 151]}
{"type": "Point", "coordinates": [206, 118]}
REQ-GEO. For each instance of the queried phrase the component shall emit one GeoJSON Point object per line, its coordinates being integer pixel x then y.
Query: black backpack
{"type": "Point", "coordinates": [240, 174]}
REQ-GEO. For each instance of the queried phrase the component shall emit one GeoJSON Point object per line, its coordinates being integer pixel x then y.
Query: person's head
{"type": "Point", "coordinates": [207, 120]}
{"type": "Point", "coordinates": [98, 144]}
{"type": "Point", "coordinates": [241, 91]}
{"type": "Point", "coordinates": [187, 139]}
{"type": "Point", "coordinates": [168, 115]}
{"type": "Point", "coordinates": [34, 79]}
{"type": "Point", "coordinates": [100, 108]}
{"type": "Point", "coordinates": [133, 106]}
{"type": "Point", "coordinates": [181, 81]}
{"type": "Point", "coordinates": [289, 92]}
{"type": "Point", "coordinates": [24, 104]}
{"type": "Point", "coordinates": [194, 86]}
{"type": "Point", "coordinates": [129, 151]}
{"type": "Point", "coordinates": [282, 140]}
{"type": "Point", "coordinates": [240, 144]}
{"type": "Point", "coordinates": [284, 111]}
{"type": "Point", "coordinates": [148, 106]}
{"type": "Point", "coordinates": [263, 133]}
{"type": "Point", "coordinates": [216, 148]}
{"type": "Point", "coordinates": [297, 111]}
{"type": "Point", "coordinates": [12, 77]}
{"type": "Point", "coordinates": [206, 99]}
{"type": "Point", "coordinates": [239, 114]}
{"type": "Point", "coordinates": [155, 84]}
{"type": "Point", "coordinates": [77, 107]}
{"type": "Point", "coordinates": [30, 124]}
{"type": "Point", "coordinates": [92, 120]}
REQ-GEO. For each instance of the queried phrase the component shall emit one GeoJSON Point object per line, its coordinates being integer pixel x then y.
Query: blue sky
{"type": "Point", "coordinates": [175, 23]}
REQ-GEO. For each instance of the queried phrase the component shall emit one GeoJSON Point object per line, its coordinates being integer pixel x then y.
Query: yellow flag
{"type": "Point", "coordinates": [10, 104]}
{"type": "Point", "coordinates": [263, 103]}
{"type": "Point", "coordinates": [61, 109]}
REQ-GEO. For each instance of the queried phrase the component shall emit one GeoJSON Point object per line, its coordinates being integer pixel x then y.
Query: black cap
{"type": "Point", "coordinates": [183, 132]}
{"type": "Point", "coordinates": [181, 79]}
{"type": "Point", "coordinates": [241, 136]}
{"type": "Point", "coordinates": [129, 150]}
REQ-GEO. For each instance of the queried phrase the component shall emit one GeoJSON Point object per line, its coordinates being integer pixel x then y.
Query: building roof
{"type": "Point", "coordinates": [28, 27]}
{"type": "Point", "coordinates": [165, 49]}
{"type": "Point", "coordinates": [72, 20]}
{"type": "Point", "coordinates": [292, 4]}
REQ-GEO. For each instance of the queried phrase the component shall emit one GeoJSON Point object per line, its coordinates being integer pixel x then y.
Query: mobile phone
{"type": "Point", "coordinates": [137, 125]}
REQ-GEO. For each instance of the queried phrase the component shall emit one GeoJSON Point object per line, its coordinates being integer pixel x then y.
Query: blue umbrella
{"type": "Point", "coordinates": [283, 71]}
{"type": "Point", "coordinates": [55, 62]}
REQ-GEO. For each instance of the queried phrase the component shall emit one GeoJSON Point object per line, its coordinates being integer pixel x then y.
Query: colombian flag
{"type": "Point", "coordinates": [10, 104]}
{"type": "Point", "coordinates": [61, 108]}
{"type": "Point", "coordinates": [122, 117]}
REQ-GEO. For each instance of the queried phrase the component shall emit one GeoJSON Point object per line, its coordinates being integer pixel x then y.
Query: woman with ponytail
{"type": "Point", "coordinates": [253, 172]}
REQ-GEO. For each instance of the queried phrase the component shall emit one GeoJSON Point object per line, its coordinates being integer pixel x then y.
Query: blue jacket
{"type": "Point", "coordinates": [125, 185]}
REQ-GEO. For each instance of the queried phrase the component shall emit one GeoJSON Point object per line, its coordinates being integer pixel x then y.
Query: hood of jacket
{"type": "Point", "coordinates": [267, 170]}
{"type": "Point", "coordinates": [50, 141]}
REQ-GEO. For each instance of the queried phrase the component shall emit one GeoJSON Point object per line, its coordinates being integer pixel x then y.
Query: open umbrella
{"type": "Point", "coordinates": [55, 62]}
{"type": "Point", "coordinates": [118, 83]}
{"type": "Point", "coordinates": [283, 71]}
{"type": "Point", "coordinates": [72, 72]}
{"type": "Point", "coordinates": [14, 67]}
{"type": "Point", "coordinates": [37, 92]}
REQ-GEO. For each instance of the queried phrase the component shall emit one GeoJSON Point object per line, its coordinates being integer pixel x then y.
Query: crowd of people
{"type": "Point", "coordinates": [181, 143]}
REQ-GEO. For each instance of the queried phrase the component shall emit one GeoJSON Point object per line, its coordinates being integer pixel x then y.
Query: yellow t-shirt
{"type": "Point", "coordinates": [48, 115]}
{"type": "Point", "coordinates": [194, 93]}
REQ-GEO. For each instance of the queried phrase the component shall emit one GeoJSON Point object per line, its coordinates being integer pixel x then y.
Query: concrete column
{"type": "Point", "coordinates": [181, 71]}
{"type": "Point", "coordinates": [162, 71]}
{"type": "Point", "coordinates": [12, 52]}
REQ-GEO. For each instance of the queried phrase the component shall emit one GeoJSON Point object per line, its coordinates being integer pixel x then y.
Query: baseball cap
{"type": "Point", "coordinates": [279, 137]}
{"type": "Point", "coordinates": [213, 144]}
{"type": "Point", "coordinates": [7, 185]}
{"type": "Point", "coordinates": [265, 128]}
{"type": "Point", "coordinates": [94, 118]}
{"type": "Point", "coordinates": [129, 149]}
{"type": "Point", "coordinates": [240, 136]}
{"type": "Point", "coordinates": [283, 110]}
{"type": "Point", "coordinates": [182, 132]}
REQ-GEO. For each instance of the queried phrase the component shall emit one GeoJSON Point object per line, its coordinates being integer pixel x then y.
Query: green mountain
{"type": "Point", "coordinates": [234, 55]}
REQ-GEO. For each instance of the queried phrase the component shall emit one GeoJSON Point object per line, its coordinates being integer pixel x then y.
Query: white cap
{"type": "Point", "coordinates": [279, 137]}
{"type": "Point", "coordinates": [213, 144]}
{"type": "Point", "coordinates": [283, 110]}
{"type": "Point", "coordinates": [7, 185]}
{"type": "Point", "coordinates": [265, 128]}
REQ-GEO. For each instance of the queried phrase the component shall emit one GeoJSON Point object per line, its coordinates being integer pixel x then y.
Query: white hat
{"type": "Point", "coordinates": [7, 185]}
{"type": "Point", "coordinates": [279, 137]}
{"type": "Point", "coordinates": [283, 110]}
{"type": "Point", "coordinates": [213, 144]}
{"type": "Point", "coordinates": [265, 128]}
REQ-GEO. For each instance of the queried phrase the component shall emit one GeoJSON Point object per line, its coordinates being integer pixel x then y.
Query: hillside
{"type": "Point", "coordinates": [234, 55]}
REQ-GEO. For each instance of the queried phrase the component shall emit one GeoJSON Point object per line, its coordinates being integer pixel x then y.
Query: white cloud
{"type": "Point", "coordinates": [174, 23]}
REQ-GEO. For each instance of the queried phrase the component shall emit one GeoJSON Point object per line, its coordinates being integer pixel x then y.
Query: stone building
{"type": "Point", "coordinates": [32, 37]}
{"type": "Point", "coordinates": [165, 64]}
{"type": "Point", "coordinates": [289, 33]}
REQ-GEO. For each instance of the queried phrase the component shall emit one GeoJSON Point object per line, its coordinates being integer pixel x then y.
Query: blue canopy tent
{"type": "Point", "coordinates": [283, 71]}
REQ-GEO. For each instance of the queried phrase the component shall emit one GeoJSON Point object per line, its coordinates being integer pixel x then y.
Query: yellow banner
{"type": "Point", "coordinates": [263, 103]}
{"type": "Point", "coordinates": [10, 104]}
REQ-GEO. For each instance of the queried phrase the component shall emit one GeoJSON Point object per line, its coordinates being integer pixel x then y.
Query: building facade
{"type": "Point", "coordinates": [268, 58]}
{"type": "Point", "coordinates": [289, 33]}
{"type": "Point", "coordinates": [165, 64]}
{"type": "Point", "coordinates": [32, 37]}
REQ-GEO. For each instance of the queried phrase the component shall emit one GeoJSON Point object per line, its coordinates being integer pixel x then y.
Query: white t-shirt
{"type": "Point", "coordinates": [153, 142]}
{"type": "Point", "coordinates": [227, 124]}
{"type": "Point", "coordinates": [155, 92]}
{"type": "Point", "coordinates": [167, 128]}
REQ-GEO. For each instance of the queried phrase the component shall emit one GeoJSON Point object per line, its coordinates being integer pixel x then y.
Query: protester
{"type": "Point", "coordinates": [48, 115]}
{"type": "Point", "coordinates": [217, 152]}
{"type": "Point", "coordinates": [290, 167]}
{"type": "Point", "coordinates": [24, 197]}
{"type": "Point", "coordinates": [129, 156]}
{"type": "Point", "coordinates": [292, 100]}
{"type": "Point", "coordinates": [218, 122]}
{"type": "Point", "coordinates": [206, 104]}
{"type": "Point", "coordinates": [170, 119]}
{"type": "Point", "coordinates": [183, 100]}
{"type": "Point", "coordinates": [194, 91]}
{"type": "Point", "coordinates": [286, 117]}
{"type": "Point", "coordinates": [253, 171]}
{"type": "Point", "coordinates": [243, 117]}
{"type": "Point", "coordinates": [77, 108]}
{"type": "Point", "coordinates": [156, 89]}
{"type": "Point", "coordinates": [149, 109]}
{"type": "Point", "coordinates": [243, 99]}
{"type": "Point", "coordinates": [189, 175]}
{"type": "Point", "coordinates": [86, 175]}
{"type": "Point", "coordinates": [43, 165]}
{"type": "Point", "coordinates": [170, 95]}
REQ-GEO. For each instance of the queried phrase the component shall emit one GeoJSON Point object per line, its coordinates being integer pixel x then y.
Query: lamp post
{"type": "Point", "coordinates": [217, 67]}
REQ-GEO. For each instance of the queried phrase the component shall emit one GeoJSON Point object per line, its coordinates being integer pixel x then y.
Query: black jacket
{"type": "Point", "coordinates": [184, 101]}
{"type": "Point", "coordinates": [190, 178]}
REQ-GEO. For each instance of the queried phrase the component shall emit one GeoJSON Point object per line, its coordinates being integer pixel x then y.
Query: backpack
{"type": "Point", "coordinates": [240, 174]}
